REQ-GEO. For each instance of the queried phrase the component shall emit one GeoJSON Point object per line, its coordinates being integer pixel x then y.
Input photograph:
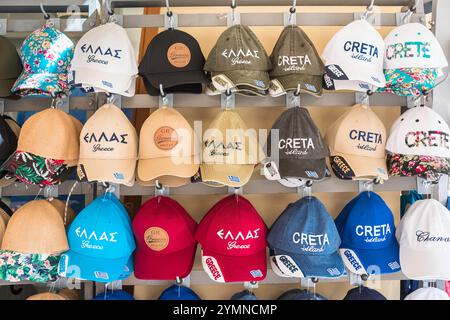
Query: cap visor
{"type": "Point", "coordinates": [309, 169]}
{"type": "Point", "coordinates": [317, 266]}
{"type": "Point", "coordinates": [170, 79]}
{"type": "Point", "coordinates": [381, 261]}
{"type": "Point", "coordinates": [149, 169]}
{"type": "Point", "coordinates": [150, 266]}
{"type": "Point", "coordinates": [94, 269]}
{"type": "Point", "coordinates": [40, 84]}
{"type": "Point", "coordinates": [363, 167]}
{"type": "Point", "coordinates": [106, 170]}
{"type": "Point", "coordinates": [170, 181]}
{"type": "Point", "coordinates": [425, 265]}
{"type": "Point", "coordinates": [292, 182]}
{"type": "Point", "coordinates": [5, 87]}
{"type": "Point", "coordinates": [311, 84]}
{"type": "Point", "coordinates": [256, 79]}
{"type": "Point", "coordinates": [233, 175]}
{"type": "Point", "coordinates": [236, 268]}
{"type": "Point", "coordinates": [185, 88]}
{"type": "Point", "coordinates": [353, 72]}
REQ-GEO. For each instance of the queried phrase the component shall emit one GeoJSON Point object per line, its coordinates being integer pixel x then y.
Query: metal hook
{"type": "Point", "coordinates": [407, 15]}
{"type": "Point", "coordinates": [292, 11]}
{"type": "Point", "coordinates": [233, 12]}
{"type": "Point", "coordinates": [161, 90]}
{"type": "Point", "coordinates": [178, 281]}
{"type": "Point", "coordinates": [169, 14]}
{"type": "Point", "coordinates": [46, 15]}
{"type": "Point", "coordinates": [109, 8]}
{"type": "Point", "coordinates": [297, 92]}
{"type": "Point", "coordinates": [369, 10]}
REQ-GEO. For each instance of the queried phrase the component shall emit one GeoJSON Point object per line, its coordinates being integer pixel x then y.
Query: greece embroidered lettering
{"type": "Point", "coordinates": [409, 49]}
{"type": "Point", "coordinates": [432, 138]}
{"type": "Point", "coordinates": [99, 51]}
{"type": "Point", "coordinates": [215, 273]}
{"type": "Point", "coordinates": [423, 236]}
{"type": "Point", "coordinates": [108, 237]}
{"type": "Point", "coordinates": [240, 56]}
{"type": "Point", "coordinates": [288, 264]}
{"type": "Point", "coordinates": [352, 260]}
{"type": "Point", "coordinates": [243, 236]}
{"type": "Point", "coordinates": [341, 165]}
{"type": "Point", "coordinates": [221, 148]}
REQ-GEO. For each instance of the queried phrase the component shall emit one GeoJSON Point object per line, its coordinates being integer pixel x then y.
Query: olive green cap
{"type": "Point", "coordinates": [10, 66]}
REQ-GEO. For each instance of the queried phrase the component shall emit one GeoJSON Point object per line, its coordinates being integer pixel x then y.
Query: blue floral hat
{"type": "Point", "coordinates": [46, 55]}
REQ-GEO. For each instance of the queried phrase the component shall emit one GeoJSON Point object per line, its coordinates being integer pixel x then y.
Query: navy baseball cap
{"type": "Point", "coordinates": [114, 295]}
{"type": "Point", "coordinates": [298, 294]}
{"type": "Point", "coordinates": [177, 292]}
{"type": "Point", "coordinates": [305, 242]}
{"type": "Point", "coordinates": [244, 295]}
{"type": "Point", "coordinates": [367, 230]}
{"type": "Point", "coordinates": [363, 293]}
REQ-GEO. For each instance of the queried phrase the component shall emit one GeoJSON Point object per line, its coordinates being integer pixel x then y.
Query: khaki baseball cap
{"type": "Point", "coordinates": [168, 148]}
{"type": "Point", "coordinates": [230, 151]}
{"type": "Point", "coordinates": [108, 147]}
{"type": "Point", "coordinates": [239, 61]}
{"type": "Point", "coordinates": [295, 62]}
{"type": "Point", "coordinates": [357, 145]}
{"type": "Point", "coordinates": [36, 228]}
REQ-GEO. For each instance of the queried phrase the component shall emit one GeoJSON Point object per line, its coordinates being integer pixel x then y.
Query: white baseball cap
{"type": "Point", "coordinates": [429, 293]}
{"type": "Point", "coordinates": [354, 58]}
{"type": "Point", "coordinates": [424, 238]}
{"type": "Point", "coordinates": [104, 59]}
{"type": "Point", "coordinates": [412, 45]}
{"type": "Point", "coordinates": [420, 131]}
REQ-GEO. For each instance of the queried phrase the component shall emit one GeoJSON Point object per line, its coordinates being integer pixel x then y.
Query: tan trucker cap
{"type": "Point", "coordinates": [53, 134]}
{"type": "Point", "coordinates": [230, 151]}
{"type": "Point", "coordinates": [167, 147]}
{"type": "Point", "coordinates": [357, 145]}
{"type": "Point", "coordinates": [108, 147]}
{"type": "Point", "coordinates": [36, 228]}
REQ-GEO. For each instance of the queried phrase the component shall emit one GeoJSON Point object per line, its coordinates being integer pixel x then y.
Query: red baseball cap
{"type": "Point", "coordinates": [233, 240]}
{"type": "Point", "coordinates": [164, 234]}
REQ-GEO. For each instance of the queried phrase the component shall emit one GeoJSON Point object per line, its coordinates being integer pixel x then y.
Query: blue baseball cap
{"type": "Point", "coordinates": [363, 293]}
{"type": "Point", "coordinates": [367, 230]}
{"type": "Point", "coordinates": [177, 292]}
{"type": "Point", "coordinates": [301, 294]}
{"type": "Point", "coordinates": [305, 242]}
{"type": "Point", "coordinates": [244, 295]}
{"type": "Point", "coordinates": [101, 243]}
{"type": "Point", "coordinates": [114, 295]}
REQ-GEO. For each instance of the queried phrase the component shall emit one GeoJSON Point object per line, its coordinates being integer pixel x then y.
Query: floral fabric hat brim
{"type": "Point", "coordinates": [33, 169]}
{"type": "Point", "coordinates": [15, 267]}
{"type": "Point", "coordinates": [430, 168]}
{"type": "Point", "coordinates": [29, 84]}
{"type": "Point", "coordinates": [409, 81]}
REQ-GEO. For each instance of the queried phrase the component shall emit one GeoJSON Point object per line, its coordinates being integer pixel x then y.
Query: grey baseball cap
{"type": "Point", "coordinates": [10, 66]}
{"type": "Point", "coordinates": [295, 62]}
{"type": "Point", "coordinates": [300, 149]}
{"type": "Point", "coordinates": [239, 61]}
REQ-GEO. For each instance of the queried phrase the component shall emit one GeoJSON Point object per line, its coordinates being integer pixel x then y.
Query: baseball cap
{"type": "Point", "coordinates": [47, 296]}
{"type": "Point", "coordinates": [244, 295]}
{"type": "Point", "coordinates": [299, 294]}
{"type": "Point", "coordinates": [177, 292]}
{"type": "Point", "coordinates": [230, 151]}
{"type": "Point", "coordinates": [354, 58]}
{"type": "Point", "coordinates": [101, 243]}
{"type": "Point", "coordinates": [305, 242]}
{"type": "Point", "coordinates": [108, 147]}
{"type": "Point", "coordinates": [166, 246]}
{"type": "Point", "coordinates": [175, 60]}
{"type": "Point", "coordinates": [10, 66]}
{"type": "Point", "coordinates": [424, 237]}
{"type": "Point", "coordinates": [104, 59]}
{"type": "Point", "coordinates": [46, 55]}
{"type": "Point", "coordinates": [295, 62]}
{"type": "Point", "coordinates": [66, 215]}
{"type": "Point", "coordinates": [233, 240]}
{"type": "Point", "coordinates": [357, 145]}
{"type": "Point", "coordinates": [363, 293]}
{"type": "Point", "coordinates": [239, 61]}
{"type": "Point", "coordinates": [300, 150]}
{"type": "Point", "coordinates": [429, 293]}
{"type": "Point", "coordinates": [114, 295]}
{"type": "Point", "coordinates": [168, 148]}
{"type": "Point", "coordinates": [367, 230]}
{"type": "Point", "coordinates": [413, 60]}
{"type": "Point", "coordinates": [43, 157]}
{"type": "Point", "coordinates": [418, 144]}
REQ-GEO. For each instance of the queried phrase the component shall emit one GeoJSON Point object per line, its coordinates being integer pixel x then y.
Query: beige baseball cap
{"type": "Point", "coordinates": [61, 207]}
{"type": "Point", "coordinates": [168, 149]}
{"type": "Point", "coordinates": [47, 296]}
{"type": "Point", "coordinates": [230, 151]}
{"type": "Point", "coordinates": [108, 147]}
{"type": "Point", "coordinates": [357, 145]}
{"type": "Point", "coordinates": [53, 134]}
{"type": "Point", "coordinates": [4, 219]}
{"type": "Point", "coordinates": [36, 228]}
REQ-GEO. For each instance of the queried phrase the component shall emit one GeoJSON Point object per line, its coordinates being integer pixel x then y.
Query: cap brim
{"type": "Point", "coordinates": [311, 84]}
{"type": "Point", "coordinates": [381, 261]}
{"type": "Point", "coordinates": [107, 170]}
{"type": "Point", "coordinates": [360, 167]}
{"type": "Point", "coordinates": [309, 169]}
{"type": "Point", "coordinates": [427, 167]}
{"type": "Point", "coordinates": [235, 268]}
{"type": "Point", "coordinates": [232, 175]}
{"type": "Point", "coordinates": [153, 266]}
{"type": "Point", "coordinates": [171, 79]}
{"type": "Point", "coordinates": [93, 269]}
{"type": "Point", "coordinates": [424, 265]}
{"type": "Point", "coordinates": [195, 88]}
{"type": "Point", "coordinates": [150, 169]}
{"type": "Point", "coordinates": [353, 72]}
{"type": "Point", "coordinates": [251, 78]}
{"type": "Point", "coordinates": [5, 87]}
{"type": "Point", "coordinates": [292, 182]}
{"type": "Point", "coordinates": [169, 181]}
{"type": "Point", "coordinates": [40, 84]}
{"type": "Point", "coordinates": [317, 266]}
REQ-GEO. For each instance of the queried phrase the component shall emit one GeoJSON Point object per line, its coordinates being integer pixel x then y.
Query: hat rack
{"type": "Point", "coordinates": [19, 17]}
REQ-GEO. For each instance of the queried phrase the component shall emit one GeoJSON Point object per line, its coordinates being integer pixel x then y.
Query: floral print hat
{"type": "Point", "coordinates": [46, 55]}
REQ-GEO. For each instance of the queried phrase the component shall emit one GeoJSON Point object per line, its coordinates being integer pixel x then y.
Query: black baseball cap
{"type": "Point", "coordinates": [175, 60]}
{"type": "Point", "coordinates": [300, 294]}
{"type": "Point", "coordinates": [363, 293]}
{"type": "Point", "coordinates": [301, 149]}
